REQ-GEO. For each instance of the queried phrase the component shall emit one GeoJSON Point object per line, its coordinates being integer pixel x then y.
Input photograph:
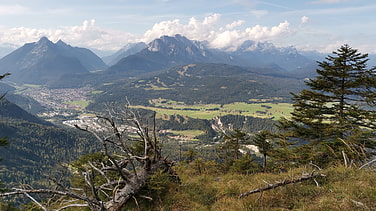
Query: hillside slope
{"type": "Point", "coordinates": [35, 146]}
{"type": "Point", "coordinates": [44, 61]}
{"type": "Point", "coordinates": [202, 83]}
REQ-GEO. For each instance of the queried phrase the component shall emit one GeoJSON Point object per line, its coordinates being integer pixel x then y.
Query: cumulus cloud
{"type": "Point", "coordinates": [304, 20]}
{"type": "Point", "coordinates": [222, 37]}
{"type": "Point", "coordinates": [235, 24]}
{"type": "Point", "coordinates": [211, 29]}
{"type": "Point", "coordinates": [85, 35]}
{"type": "Point", "coordinates": [194, 29]}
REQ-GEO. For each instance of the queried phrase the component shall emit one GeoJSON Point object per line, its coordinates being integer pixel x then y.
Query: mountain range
{"type": "Point", "coordinates": [166, 52]}
{"type": "Point", "coordinates": [45, 62]}
{"type": "Point", "coordinates": [127, 50]}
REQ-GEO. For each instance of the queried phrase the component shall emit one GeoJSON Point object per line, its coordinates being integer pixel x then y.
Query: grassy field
{"type": "Point", "coordinates": [96, 92]}
{"type": "Point", "coordinates": [81, 103]}
{"type": "Point", "coordinates": [185, 134]}
{"type": "Point", "coordinates": [208, 111]}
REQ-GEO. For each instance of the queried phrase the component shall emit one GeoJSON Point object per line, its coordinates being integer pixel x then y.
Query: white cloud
{"type": "Point", "coordinates": [194, 29]}
{"type": "Point", "coordinates": [235, 24]}
{"type": "Point", "coordinates": [85, 35]}
{"type": "Point", "coordinates": [210, 28]}
{"type": "Point", "coordinates": [304, 20]}
{"type": "Point", "coordinates": [331, 46]}
{"type": "Point", "coordinates": [262, 33]}
{"type": "Point", "coordinates": [227, 38]}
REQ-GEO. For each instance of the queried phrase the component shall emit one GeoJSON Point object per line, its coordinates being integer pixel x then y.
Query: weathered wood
{"type": "Point", "coordinates": [283, 183]}
{"type": "Point", "coordinates": [368, 163]}
{"type": "Point", "coordinates": [125, 172]}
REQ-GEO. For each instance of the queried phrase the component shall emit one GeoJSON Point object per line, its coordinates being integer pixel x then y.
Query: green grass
{"type": "Point", "coordinates": [155, 87]}
{"type": "Point", "coordinates": [32, 85]}
{"type": "Point", "coordinates": [187, 133]}
{"type": "Point", "coordinates": [341, 189]}
{"type": "Point", "coordinates": [96, 92]}
{"type": "Point", "coordinates": [208, 111]}
{"type": "Point", "coordinates": [82, 103]}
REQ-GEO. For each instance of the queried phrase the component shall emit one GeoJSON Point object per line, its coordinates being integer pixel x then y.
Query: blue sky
{"type": "Point", "coordinates": [322, 25]}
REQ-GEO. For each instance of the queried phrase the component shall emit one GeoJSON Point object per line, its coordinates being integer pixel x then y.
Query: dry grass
{"type": "Point", "coordinates": [342, 189]}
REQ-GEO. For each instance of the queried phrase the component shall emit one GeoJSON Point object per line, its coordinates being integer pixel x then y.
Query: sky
{"type": "Point", "coordinates": [108, 25]}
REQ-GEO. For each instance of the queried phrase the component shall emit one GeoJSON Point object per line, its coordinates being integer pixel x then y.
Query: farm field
{"type": "Point", "coordinates": [208, 111]}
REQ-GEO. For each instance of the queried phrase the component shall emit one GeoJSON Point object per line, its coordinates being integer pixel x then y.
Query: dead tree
{"type": "Point", "coordinates": [282, 183]}
{"type": "Point", "coordinates": [130, 155]}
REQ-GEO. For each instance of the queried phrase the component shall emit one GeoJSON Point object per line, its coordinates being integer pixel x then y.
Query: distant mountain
{"type": "Point", "coordinates": [203, 83]}
{"type": "Point", "coordinates": [129, 49]}
{"type": "Point", "coordinates": [86, 57]}
{"type": "Point", "coordinates": [43, 61]}
{"type": "Point", "coordinates": [9, 110]}
{"type": "Point", "coordinates": [314, 55]}
{"type": "Point", "coordinates": [252, 53]}
{"type": "Point", "coordinates": [6, 48]}
{"type": "Point", "coordinates": [26, 103]}
{"type": "Point", "coordinates": [166, 52]}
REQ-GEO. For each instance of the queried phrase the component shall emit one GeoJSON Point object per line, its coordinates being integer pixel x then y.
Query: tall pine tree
{"type": "Point", "coordinates": [337, 114]}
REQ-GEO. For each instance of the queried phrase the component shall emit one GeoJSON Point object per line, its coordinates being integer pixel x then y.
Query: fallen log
{"type": "Point", "coordinates": [283, 183]}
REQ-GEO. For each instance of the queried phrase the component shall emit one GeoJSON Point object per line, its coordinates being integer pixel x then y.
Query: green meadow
{"type": "Point", "coordinates": [208, 111]}
{"type": "Point", "coordinates": [81, 103]}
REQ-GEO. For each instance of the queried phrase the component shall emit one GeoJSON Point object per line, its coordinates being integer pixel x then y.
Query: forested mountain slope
{"type": "Point", "coordinates": [35, 146]}
{"type": "Point", "coordinates": [202, 83]}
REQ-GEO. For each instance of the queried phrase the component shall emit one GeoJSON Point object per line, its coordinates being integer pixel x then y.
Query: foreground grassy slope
{"type": "Point", "coordinates": [341, 189]}
{"type": "Point", "coordinates": [204, 188]}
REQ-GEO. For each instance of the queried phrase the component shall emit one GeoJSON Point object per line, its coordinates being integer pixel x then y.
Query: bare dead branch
{"type": "Point", "coordinates": [72, 205]}
{"type": "Point", "coordinates": [98, 170]}
{"type": "Point", "coordinates": [314, 165]}
{"type": "Point", "coordinates": [17, 191]}
{"type": "Point", "coordinates": [283, 183]}
{"type": "Point", "coordinates": [34, 200]}
{"type": "Point", "coordinates": [89, 181]}
{"type": "Point", "coordinates": [368, 163]}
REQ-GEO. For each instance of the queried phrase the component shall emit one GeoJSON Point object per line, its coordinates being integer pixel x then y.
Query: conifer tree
{"type": "Point", "coordinates": [229, 150]}
{"type": "Point", "coordinates": [337, 113]}
{"type": "Point", "coordinates": [264, 145]}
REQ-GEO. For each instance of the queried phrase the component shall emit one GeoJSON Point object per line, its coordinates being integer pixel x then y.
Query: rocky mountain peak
{"type": "Point", "coordinates": [43, 61]}
{"type": "Point", "coordinates": [44, 40]}
{"type": "Point", "coordinates": [42, 46]}
{"type": "Point", "coordinates": [60, 43]}
{"type": "Point", "coordinates": [177, 45]}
